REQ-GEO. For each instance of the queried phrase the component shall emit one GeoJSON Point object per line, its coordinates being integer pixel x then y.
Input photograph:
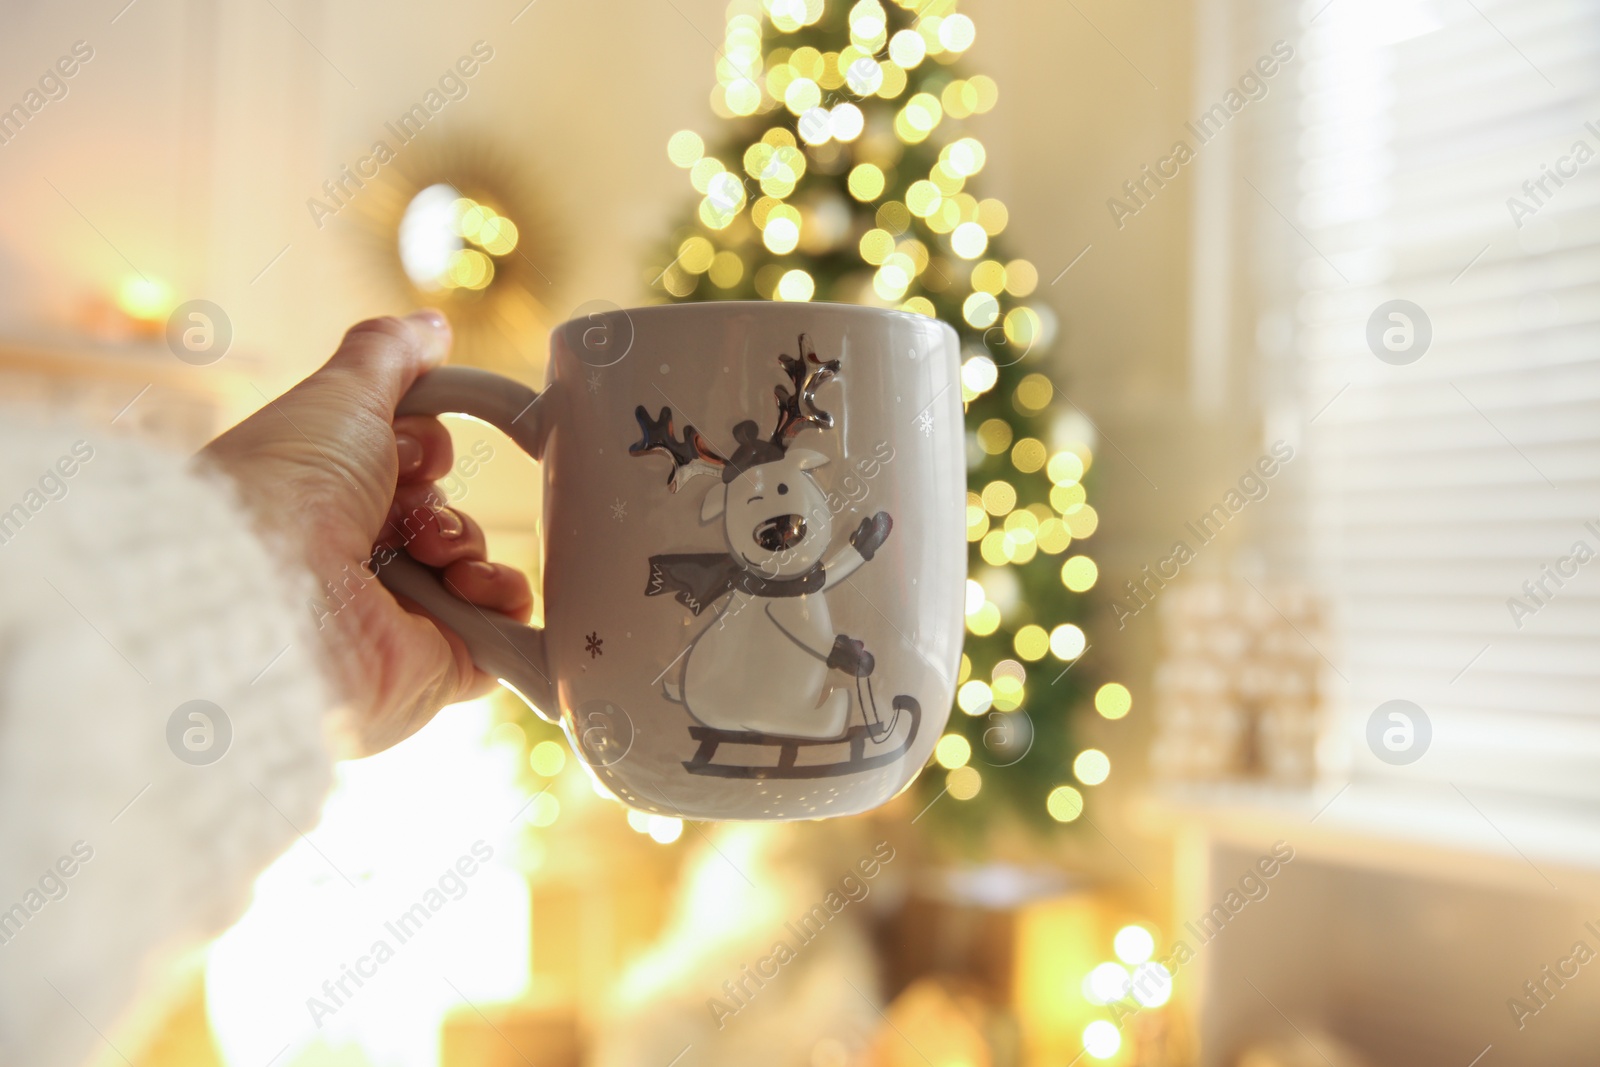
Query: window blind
{"type": "Point", "coordinates": [1445, 154]}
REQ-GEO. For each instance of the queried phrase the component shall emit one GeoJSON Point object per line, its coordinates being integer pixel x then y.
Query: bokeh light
{"type": "Point", "coordinates": [864, 76]}
{"type": "Point", "coordinates": [547, 758]}
{"type": "Point", "coordinates": [969, 240]}
{"type": "Point", "coordinates": [664, 829]}
{"type": "Point", "coordinates": [685, 148]}
{"type": "Point", "coordinates": [1101, 1039]}
{"type": "Point", "coordinates": [1079, 573]}
{"type": "Point", "coordinates": [994, 436]}
{"type": "Point", "coordinates": [782, 234]}
{"type": "Point", "coordinates": [796, 285]}
{"type": "Point", "coordinates": [846, 122]}
{"type": "Point", "coordinates": [984, 621]}
{"type": "Point", "coordinates": [907, 48]}
{"type": "Point", "coordinates": [999, 497]}
{"type": "Point", "coordinates": [727, 270]}
{"type": "Point", "coordinates": [1065, 498]}
{"type": "Point", "coordinates": [975, 697]}
{"type": "Point", "coordinates": [449, 241]}
{"type": "Point", "coordinates": [1113, 700]}
{"type": "Point", "coordinates": [1082, 520]}
{"type": "Point", "coordinates": [1053, 536]}
{"type": "Point", "coordinates": [1028, 455]}
{"type": "Point", "coordinates": [1152, 984]}
{"type": "Point", "coordinates": [543, 810]}
{"type": "Point", "coordinates": [1133, 944]}
{"type": "Point", "coordinates": [1065, 468]}
{"type": "Point", "coordinates": [866, 183]}
{"type": "Point", "coordinates": [975, 596]}
{"type": "Point", "coordinates": [1107, 983]}
{"type": "Point", "coordinates": [964, 782]}
{"type": "Point", "coordinates": [957, 32]}
{"type": "Point", "coordinates": [980, 310]}
{"type": "Point", "coordinates": [1031, 642]}
{"type": "Point", "coordinates": [143, 298]}
{"type": "Point", "coordinates": [1064, 803]}
{"type": "Point", "coordinates": [1067, 641]}
{"type": "Point", "coordinates": [1091, 767]}
{"type": "Point", "coordinates": [952, 751]}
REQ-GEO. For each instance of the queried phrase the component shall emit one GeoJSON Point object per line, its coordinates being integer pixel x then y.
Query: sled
{"type": "Point", "coordinates": [855, 740]}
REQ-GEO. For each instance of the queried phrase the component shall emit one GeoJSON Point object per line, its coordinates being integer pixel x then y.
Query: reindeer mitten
{"type": "Point", "coordinates": [872, 533]}
{"type": "Point", "coordinates": [851, 657]}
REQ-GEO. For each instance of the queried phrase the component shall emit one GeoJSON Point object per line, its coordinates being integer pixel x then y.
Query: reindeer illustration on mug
{"type": "Point", "coordinates": [763, 665]}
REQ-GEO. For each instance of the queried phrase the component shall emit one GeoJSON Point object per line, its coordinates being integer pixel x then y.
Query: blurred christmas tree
{"type": "Point", "coordinates": [843, 176]}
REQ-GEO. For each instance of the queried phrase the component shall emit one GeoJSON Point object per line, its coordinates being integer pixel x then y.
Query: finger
{"type": "Point", "coordinates": [410, 513]}
{"type": "Point", "coordinates": [383, 357]}
{"type": "Point", "coordinates": [424, 448]}
{"type": "Point", "coordinates": [491, 585]}
{"type": "Point", "coordinates": [431, 531]}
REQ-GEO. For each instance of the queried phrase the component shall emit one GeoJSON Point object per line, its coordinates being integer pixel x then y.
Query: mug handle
{"type": "Point", "coordinates": [500, 646]}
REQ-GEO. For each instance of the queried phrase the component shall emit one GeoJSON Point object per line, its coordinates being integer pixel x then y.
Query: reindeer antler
{"type": "Point", "coordinates": [798, 409]}
{"type": "Point", "coordinates": [691, 456]}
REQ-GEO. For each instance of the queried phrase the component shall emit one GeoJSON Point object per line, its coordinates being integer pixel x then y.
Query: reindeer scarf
{"type": "Point", "coordinates": [700, 579]}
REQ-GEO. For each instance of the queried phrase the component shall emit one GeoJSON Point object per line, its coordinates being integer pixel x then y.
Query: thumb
{"type": "Point", "coordinates": [381, 358]}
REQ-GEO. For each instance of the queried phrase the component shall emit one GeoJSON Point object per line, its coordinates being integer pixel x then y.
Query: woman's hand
{"type": "Point", "coordinates": [330, 472]}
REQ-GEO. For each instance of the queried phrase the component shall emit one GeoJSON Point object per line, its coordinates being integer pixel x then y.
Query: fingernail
{"type": "Point", "coordinates": [449, 523]}
{"type": "Point", "coordinates": [436, 344]}
{"type": "Point", "coordinates": [409, 450]}
{"type": "Point", "coordinates": [482, 569]}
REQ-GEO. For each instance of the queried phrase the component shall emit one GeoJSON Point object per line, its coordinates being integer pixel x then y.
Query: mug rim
{"type": "Point", "coordinates": [832, 306]}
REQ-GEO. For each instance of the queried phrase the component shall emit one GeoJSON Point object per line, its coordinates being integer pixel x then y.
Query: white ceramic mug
{"type": "Point", "coordinates": [755, 551]}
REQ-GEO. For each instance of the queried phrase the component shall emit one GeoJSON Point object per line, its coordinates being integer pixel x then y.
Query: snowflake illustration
{"type": "Point", "coordinates": [619, 509]}
{"type": "Point", "coordinates": [594, 382]}
{"type": "Point", "coordinates": [592, 643]}
{"type": "Point", "coordinates": [925, 423]}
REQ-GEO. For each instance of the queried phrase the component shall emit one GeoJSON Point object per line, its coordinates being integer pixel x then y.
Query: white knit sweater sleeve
{"type": "Point", "coordinates": [128, 588]}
